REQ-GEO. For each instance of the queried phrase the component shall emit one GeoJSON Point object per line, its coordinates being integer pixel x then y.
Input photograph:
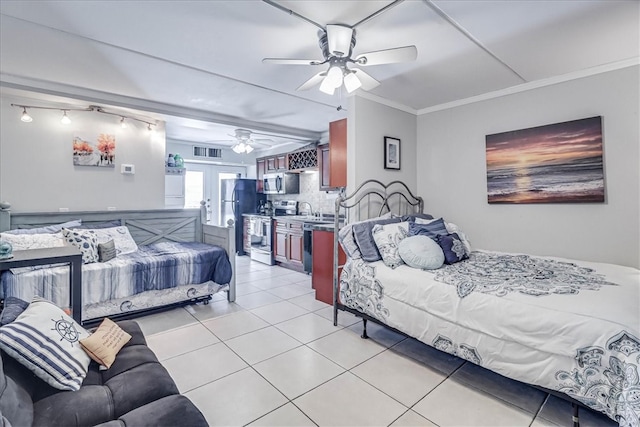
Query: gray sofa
{"type": "Point", "coordinates": [136, 391]}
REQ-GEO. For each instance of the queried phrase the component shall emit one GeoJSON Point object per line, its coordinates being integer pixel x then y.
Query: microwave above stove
{"type": "Point", "coordinates": [281, 183]}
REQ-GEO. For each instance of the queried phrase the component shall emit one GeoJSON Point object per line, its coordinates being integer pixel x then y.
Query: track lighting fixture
{"type": "Point", "coordinates": [66, 120]}
{"type": "Point", "coordinates": [25, 116]}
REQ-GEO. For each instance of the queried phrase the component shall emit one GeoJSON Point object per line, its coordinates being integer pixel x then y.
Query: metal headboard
{"type": "Point", "coordinates": [371, 199]}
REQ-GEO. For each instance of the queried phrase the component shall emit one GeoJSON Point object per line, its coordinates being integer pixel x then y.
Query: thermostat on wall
{"type": "Point", "coordinates": [127, 169]}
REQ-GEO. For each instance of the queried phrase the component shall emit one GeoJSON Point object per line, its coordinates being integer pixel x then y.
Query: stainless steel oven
{"type": "Point", "coordinates": [260, 233]}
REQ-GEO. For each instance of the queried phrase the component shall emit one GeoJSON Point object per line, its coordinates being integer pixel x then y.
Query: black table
{"type": "Point", "coordinates": [66, 255]}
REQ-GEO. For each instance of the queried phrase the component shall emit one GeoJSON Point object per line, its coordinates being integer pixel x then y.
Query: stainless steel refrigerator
{"type": "Point", "coordinates": [238, 196]}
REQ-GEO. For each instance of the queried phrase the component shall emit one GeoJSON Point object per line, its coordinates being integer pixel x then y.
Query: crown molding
{"type": "Point", "coordinates": [384, 101]}
{"type": "Point", "coordinates": [613, 66]}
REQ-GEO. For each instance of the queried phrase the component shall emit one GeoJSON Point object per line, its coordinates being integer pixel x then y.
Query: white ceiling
{"type": "Point", "coordinates": [201, 60]}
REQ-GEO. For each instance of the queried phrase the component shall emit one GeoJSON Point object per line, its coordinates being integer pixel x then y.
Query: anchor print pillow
{"type": "Point", "coordinates": [47, 341]}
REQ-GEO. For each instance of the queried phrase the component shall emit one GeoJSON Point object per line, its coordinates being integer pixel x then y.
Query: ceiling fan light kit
{"type": "Point", "coordinates": [337, 42]}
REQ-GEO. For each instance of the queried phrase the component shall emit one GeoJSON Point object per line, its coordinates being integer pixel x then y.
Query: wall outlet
{"type": "Point", "coordinates": [63, 209]}
{"type": "Point", "coordinates": [111, 208]}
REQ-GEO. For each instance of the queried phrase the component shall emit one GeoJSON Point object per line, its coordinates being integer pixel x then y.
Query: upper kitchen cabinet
{"type": "Point", "coordinates": [332, 157]}
{"type": "Point", "coordinates": [276, 163]}
{"type": "Point", "coordinates": [260, 170]}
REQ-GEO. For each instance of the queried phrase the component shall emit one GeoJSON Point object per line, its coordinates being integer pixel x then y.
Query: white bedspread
{"type": "Point", "coordinates": [561, 324]}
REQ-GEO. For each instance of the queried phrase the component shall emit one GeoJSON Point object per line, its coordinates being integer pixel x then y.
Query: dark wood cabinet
{"type": "Point", "coordinates": [322, 268]}
{"type": "Point", "coordinates": [324, 165]}
{"type": "Point", "coordinates": [332, 158]}
{"type": "Point", "coordinates": [260, 169]}
{"type": "Point", "coordinates": [271, 164]}
{"type": "Point", "coordinates": [281, 162]}
{"type": "Point", "coordinates": [289, 244]}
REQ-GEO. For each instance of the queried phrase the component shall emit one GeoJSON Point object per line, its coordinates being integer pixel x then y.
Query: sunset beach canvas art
{"type": "Point", "coordinates": [558, 163]}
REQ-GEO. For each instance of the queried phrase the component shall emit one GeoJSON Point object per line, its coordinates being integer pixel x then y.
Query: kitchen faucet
{"type": "Point", "coordinates": [310, 211]}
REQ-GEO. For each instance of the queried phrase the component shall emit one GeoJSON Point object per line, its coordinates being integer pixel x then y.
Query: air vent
{"type": "Point", "coordinates": [207, 152]}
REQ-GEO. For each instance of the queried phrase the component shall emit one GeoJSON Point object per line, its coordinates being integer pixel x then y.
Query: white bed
{"type": "Point", "coordinates": [564, 325]}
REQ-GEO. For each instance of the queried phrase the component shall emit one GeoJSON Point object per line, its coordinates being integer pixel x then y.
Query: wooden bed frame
{"type": "Point", "coordinates": [146, 227]}
{"type": "Point", "coordinates": [372, 199]}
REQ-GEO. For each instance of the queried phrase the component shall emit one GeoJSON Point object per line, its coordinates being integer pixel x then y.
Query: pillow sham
{"type": "Point", "coordinates": [106, 251]}
{"type": "Point", "coordinates": [453, 248]}
{"type": "Point", "coordinates": [431, 229]}
{"type": "Point", "coordinates": [363, 234]}
{"type": "Point", "coordinates": [452, 228]}
{"type": "Point", "coordinates": [49, 229]}
{"type": "Point", "coordinates": [421, 252]}
{"type": "Point", "coordinates": [45, 340]}
{"type": "Point", "coordinates": [104, 344]}
{"type": "Point", "coordinates": [347, 239]}
{"type": "Point", "coordinates": [387, 238]}
{"type": "Point", "coordinates": [121, 237]}
{"type": "Point", "coordinates": [23, 242]}
{"type": "Point", "coordinates": [85, 240]}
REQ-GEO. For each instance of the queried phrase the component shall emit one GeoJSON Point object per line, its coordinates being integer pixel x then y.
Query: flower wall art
{"type": "Point", "coordinates": [101, 153]}
{"type": "Point", "coordinates": [558, 163]}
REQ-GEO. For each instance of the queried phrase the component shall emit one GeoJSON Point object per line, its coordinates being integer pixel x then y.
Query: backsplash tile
{"type": "Point", "coordinates": [321, 201]}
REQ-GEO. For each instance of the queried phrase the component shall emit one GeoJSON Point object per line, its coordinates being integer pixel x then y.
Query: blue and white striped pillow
{"type": "Point", "coordinates": [47, 341]}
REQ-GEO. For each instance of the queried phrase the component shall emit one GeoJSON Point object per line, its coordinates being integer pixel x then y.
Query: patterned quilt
{"type": "Point", "coordinates": [156, 267]}
{"type": "Point", "coordinates": [561, 324]}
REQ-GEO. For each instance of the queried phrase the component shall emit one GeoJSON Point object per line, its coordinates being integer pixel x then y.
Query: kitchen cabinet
{"type": "Point", "coordinates": [332, 158]}
{"type": "Point", "coordinates": [260, 169]}
{"type": "Point", "coordinates": [276, 163]}
{"type": "Point", "coordinates": [246, 239]}
{"type": "Point", "coordinates": [289, 244]}
{"type": "Point", "coordinates": [322, 269]}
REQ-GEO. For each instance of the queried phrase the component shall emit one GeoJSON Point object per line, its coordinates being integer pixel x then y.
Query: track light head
{"type": "Point", "coordinates": [123, 124]}
{"type": "Point", "coordinates": [25, 116]}
{"type": "Point", "coordinates": [65, 120]}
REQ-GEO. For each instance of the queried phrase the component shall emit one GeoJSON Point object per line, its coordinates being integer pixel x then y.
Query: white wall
{"type": "Point", "coordinates": [368, 122]}
{"type": "Point", "coordinates": [36, 165]}
{"type": "Point", "coordinates": [451, 171]}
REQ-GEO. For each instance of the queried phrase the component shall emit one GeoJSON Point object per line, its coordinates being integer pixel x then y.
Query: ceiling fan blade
{"type": "Point", "coordinates": [339, 39]}
{"type": "Point", "coordinates": [284, 61]}
{"type": "Point", "coordinates": [388, 56]}
{"type": "Point", "coordinates": [313, 81]}
{"type": "Point", "coordinates": [367, 81]}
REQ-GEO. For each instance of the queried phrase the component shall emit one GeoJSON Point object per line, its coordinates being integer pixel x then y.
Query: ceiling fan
{"type": "Point", "coordinates": [337, 42]}
{"type": "Point", "coordinates": [243, 142]}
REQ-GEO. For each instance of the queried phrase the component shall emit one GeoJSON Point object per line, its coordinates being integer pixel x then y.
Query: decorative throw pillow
{"type": "Point", "coordinates": [453, 248]}
{"type": "Point", "coordinates": [421, 252]}
{"type": "Point", "coordinates": [431, 229]}
{"type": "Point", "coordinates": [364, 238]}
{"type": "Point", "coordinates": [387, 238]}
{"type": "Point", "coordinates": [347, 239]}
{"type": "Point", "coordinates": [452, 228]}
{"type": "Point", "coordinates": [12, 308]}
{"type": "Point", "coordinates": [45, 340]}
{"type": "Point", "coordinates": [105, 343]}
{"type": "Point", "coordinates": [49, 229]}
{"type": "Point", "coordinates": [106, 251]}
{"type": "Point", "coordinates": [23, 242]}
{"type": "Point", "coordinates": [121, 237]}
{"type": "Point", "coordinates": [85, 240]}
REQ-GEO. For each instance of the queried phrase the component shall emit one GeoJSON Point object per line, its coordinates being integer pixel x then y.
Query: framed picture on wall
{"type": "Point", "coordinates": [391, 153]}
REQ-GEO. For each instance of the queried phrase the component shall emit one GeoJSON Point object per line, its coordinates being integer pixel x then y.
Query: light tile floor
{"type": "Point", "coordinates": [274, 358]}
